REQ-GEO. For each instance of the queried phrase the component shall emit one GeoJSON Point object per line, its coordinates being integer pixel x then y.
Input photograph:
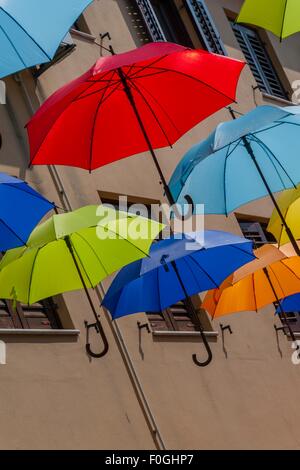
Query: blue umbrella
{"type": "Point", "coordinates": [290, 304]}
{"type": "Point", "coordinates": [241, 161]}
{"type": "Point", "coordinates": [21, 208]}
{"type": "Point", "coordinates": [31, 31]}
{"type": "Point", "coordinates": [175, 270]}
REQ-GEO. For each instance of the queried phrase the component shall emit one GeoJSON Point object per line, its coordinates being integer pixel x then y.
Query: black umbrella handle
{"type": "Point", "coordinates": [209, 352]}
{"type": "Point", "coordinates": [97, 325]}
{"type": "Point", "coordinates": [99, 329]}
{"type": "Point", "coordinates": [190, 304]}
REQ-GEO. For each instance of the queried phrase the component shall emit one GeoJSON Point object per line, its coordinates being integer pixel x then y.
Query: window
{"type": "Point", "coordinates": [175, 318]}
{"type": "Point", "coordinates": [259, 61]}
{"type": "Point", "coordinates": [293, 319]}
{"type": "Point", "coordinates": [81, 25]}
{"type": "Point", "coordinates": [179, 318]}
{"type": "Point", "coordinates": [255, 230]}
{"type": "Point", "coordinates": [35, 317]}
{"type": "Point", "coordinates": [157, 20]}
{"type": "Point", "coordinates": [143, 206]}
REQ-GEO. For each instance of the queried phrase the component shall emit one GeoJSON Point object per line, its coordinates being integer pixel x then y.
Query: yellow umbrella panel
{"type": "Point", "coordinates": [289, 204]}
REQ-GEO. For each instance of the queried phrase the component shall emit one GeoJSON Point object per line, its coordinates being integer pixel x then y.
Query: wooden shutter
{"type": "Point", "coordinates": [42, 315]}
{"type": "Point", "coordinates": [174, 318]}
{"type": "Point", "coordinates": [205, 26]}
{"type": "Point", "coordinates": [255, 232]}
{"type": "Point", "coordinates": [259, 61]}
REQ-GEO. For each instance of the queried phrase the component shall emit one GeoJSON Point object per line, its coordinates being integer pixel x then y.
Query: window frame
{"type": "Point", "coordinates": [259, 73]}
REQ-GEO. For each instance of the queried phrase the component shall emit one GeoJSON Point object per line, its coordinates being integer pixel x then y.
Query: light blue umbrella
{"type": "Point", "coordinates": [242, 160]}
{"type": "Point", "coordinates": [32, 30]}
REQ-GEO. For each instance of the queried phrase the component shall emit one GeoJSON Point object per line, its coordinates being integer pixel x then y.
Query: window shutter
{"type": "Point", "coordinates": [151, 20]}
{"type": "Point", "coordinates": [205, 26]}
{"type": "Point", "coordinates": [258, 61]}
{"type": "Point", "coordinates": [254, 231]}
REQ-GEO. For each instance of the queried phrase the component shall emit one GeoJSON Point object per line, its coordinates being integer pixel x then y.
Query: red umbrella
{"type": "Point", "coordinates": [129, 103]}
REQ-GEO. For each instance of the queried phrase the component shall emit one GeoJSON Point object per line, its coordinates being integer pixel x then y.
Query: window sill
{"type": "Point", "coordinates": [186, 334]}
{"type": "Point", "coordinates": [81, 34]}
{"type": "Point", "coordinates": [8, 331]}
{"type": "Point", "coordinates": [277, 99]}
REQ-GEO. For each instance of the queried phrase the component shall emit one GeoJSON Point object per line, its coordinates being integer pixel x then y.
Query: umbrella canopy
{"type": "Point", "coordinates": [281, 17]}
{"type": "Point", "coordinates": [21, 208]}
{"type": "Point", "coordinates": [72, 251]}
{"type": "Point", "coordinates": [246, 159]}
{"type": "Point", "coordinates": [129, 103]}
{"type": "Point", "coordinates": [175, 270]}
{"type": "Point", "coordinates": [290, 304]}
{"type": "Point", "coordinates": [289, 203]}
{"type": "Point", "coordinates": [256, 285]}
{"type": "Point", "coordinates": [31, 34]}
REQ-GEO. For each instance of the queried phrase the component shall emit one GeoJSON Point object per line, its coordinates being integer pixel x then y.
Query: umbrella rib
{"type": "Point", "coordinates": [265, 129]}
{"type": "Point", "coordinates": [283, 294]}
{"type": "Point", "coordinates": [202, 82]}
{"type": "Point", "coordinates": [12, 231]}
{"type": "Point", "coordinates": [82, 265]}
{"type": "Point", "coordinates": [267, 149]}
{"type": "Point", "coordinates": [140, 68]}
{"type": "Point", "coordinates": [12, 44]}
{"type": "Point", "coordinates": [147, 75]}
{"type": "Point", "coordinates": [289, 269]}
{"type": "Point", "coordinates": [158, 288]}
{"type": "Point", "coordinates": [224, 179]}
{"type": "Point", "coordinates": [91, 248]}
{"type": "Point", "coordinates": [228, 154]}
{"type": "Point", "coordinates": [34, 194]}
{"type": "Point", "coordinates": [58, 117]}
{"type": "Point", "coordinates": [204, 271]}
{"type": "Point", "coordinates": [152, 112]}
{"type": "Point", "coordinates": [26, 32]}
{"type": "Point", "coordinates": [254, 290]}
{"type": "Point", "coordinates": [283, 20]}
{"type": "Point", "coordinates": [160, 106]}
{"type": "Point", "coordinates": [125, 239]}
{"type": "Point", "coordinates": [31, 273]}
{"type": "Point", "coordinates": [110, 82]}
{"type": "Point", "coordinates": [102, 100]}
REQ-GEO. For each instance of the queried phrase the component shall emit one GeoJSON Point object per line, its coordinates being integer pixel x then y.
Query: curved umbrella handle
{"type": "Point", "coordinates": [99, 329]}
{"type": "Point", "coordinates": [190, 201]}
{"type": "Point", "coordinates": [209, 352]}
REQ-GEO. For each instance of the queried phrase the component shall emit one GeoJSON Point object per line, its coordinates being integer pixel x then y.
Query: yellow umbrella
{"type": "Point", "coordinates": [266, 280]}
{"type": "Point", "coordinates": [289, 204]}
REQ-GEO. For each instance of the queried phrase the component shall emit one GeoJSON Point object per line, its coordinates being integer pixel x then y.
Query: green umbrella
{"type": "Point", "coordinates": [76, 250]}
{"type": "Point", "coordinates": [281, 17]}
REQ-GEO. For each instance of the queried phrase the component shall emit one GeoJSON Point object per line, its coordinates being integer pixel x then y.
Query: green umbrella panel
{"type": "Point", "coordinates": [73, 251]}
{"type": "Point", "coordinates": [99, 245]}
{"type": "Point", "coordinates": [281, 17]}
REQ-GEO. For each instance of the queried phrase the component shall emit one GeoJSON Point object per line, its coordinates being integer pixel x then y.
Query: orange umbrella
{"type": "Point", "coordinates": [266, 280]}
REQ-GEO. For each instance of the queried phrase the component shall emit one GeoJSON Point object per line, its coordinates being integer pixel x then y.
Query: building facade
{"type": "Point", "coordinates": [146, 393]}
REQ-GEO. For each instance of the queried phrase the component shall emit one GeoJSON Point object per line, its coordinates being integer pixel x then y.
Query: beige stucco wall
{"type": "Point", "coordinates": [53, 396]}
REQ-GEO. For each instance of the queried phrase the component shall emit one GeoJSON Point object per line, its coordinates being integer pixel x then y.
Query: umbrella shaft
{"type": "Point", "coordinates": [71, 249]}
{"type": "Point", "coordinates": [187, 297]}
{"type": "Point", "coordinates": [131, 99]}
{"type": "Point", "coordinates": [287, 228]}
{"type": "Point", "coordinates": [282, 312]}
